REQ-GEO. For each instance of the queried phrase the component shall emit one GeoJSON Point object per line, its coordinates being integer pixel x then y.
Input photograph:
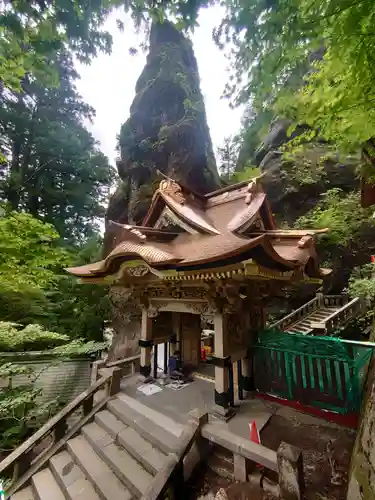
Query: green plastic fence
{"type": "Point", "coordinates": [345, 367]}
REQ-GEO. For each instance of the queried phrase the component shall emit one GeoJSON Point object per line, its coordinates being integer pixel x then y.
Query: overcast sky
{"type": "Point", "coordinates": [108, 83]}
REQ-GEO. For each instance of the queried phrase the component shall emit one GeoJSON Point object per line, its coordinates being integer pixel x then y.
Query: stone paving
{"type": "Point", "coordinates": [199, 394]}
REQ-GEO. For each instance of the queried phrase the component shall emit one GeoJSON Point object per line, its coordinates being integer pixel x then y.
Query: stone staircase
{"type": "Point", "coordinates": [320, 315]}
{"type": "Point", "coordinates": [116, 447]}
{"type": "Point", "coordinates": [116, 456]}
{"type": "Point", "coordinates": [306, 324]}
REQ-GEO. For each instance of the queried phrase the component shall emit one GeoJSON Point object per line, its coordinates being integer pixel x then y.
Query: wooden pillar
{"type": "Point", "coordinates": [222, 387]}
{"type": "Point", "coordinates": [247, 378]}
{"type": "Point", "coordinates": [156, 361]}
{"type": "Point", "coordinates": [165, 358]}
{"type": "Point", "coordinates": [145, 344]}
{"type": "Point", "coordinates": [174, 341]}
{"type": "Point", "coordinates": [239, 380]}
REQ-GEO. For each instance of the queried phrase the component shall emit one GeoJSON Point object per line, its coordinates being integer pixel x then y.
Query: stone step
{"type": "Point", "coordinates": [163, 421]}
{"type": "Point", "coordinates": [128, 470]}
{"type": "Point", "coordinates": [24, 494]}
{"type": "Point", "coordinates": [45, 486]}
{"type": "Point", "coordinates": [71, 479]}
{"type": "Point", "coordinates": [104, 481]}
{"type": "Point", "coordinates": [303, 327]}
{"type": "Point", "coordinates": [221, 462]}
{"type": "Point", "coordinates": [151, 458]}
{"type": "Point", "coordinates": [318, 316]}
{"type": "Point", "coordinates": [148, 429]}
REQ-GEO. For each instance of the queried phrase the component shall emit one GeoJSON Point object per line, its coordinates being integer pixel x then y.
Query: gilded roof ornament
{"type": "Point", "coordinates": [172, 189]}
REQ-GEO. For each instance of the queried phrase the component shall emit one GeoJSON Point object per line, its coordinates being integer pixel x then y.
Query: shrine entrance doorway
{"type": "Point", "coordinates": [190, 339]}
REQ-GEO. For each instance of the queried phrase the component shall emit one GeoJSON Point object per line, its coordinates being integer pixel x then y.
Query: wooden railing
{"type": "Point", "coordinates": [286, 461]}
{"type": "Point", "coordinates": [298, 314]}
{"type": "Point", "coordinates": [100, 366]}
{"type": "Point", "coordinates": [24, 462]}
{"type": "Point", "coordinates": [169, 481]}
{"type": "Point", "coordinates": [335, 300]}
{"type": "Point", "coordinates": [339, 317]}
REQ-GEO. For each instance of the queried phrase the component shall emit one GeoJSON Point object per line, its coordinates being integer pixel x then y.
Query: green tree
{"type": "Point", "coordinates": [329, 44]}
{"type": "Point", "coordinates": [34, 288]}
{"type": "Point", "coordinates": [76, 309]}
{"type": "Point", "coordinates": [30, 262]}
{"type": "Point", "coordinates": [52, 167]}
{"type": "Point", "coordinates": [228, 154]}
{"type": "Point", "coordinates": [32, 32]}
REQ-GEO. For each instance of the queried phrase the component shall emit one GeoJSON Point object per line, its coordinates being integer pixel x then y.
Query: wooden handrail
{"type": "Point", "coordinates": [21, 459]}
{"type": "Point", "coordinates": [236, 444]}
{"type": "Point", "coordinates": [326, 322]}
{"type": "Point", "coordinates": [296, 311]}
{"type": "Point", "coordinates": [49, 426]}
{"type": "Point", "coordinates": [342, 309]}
{"type": "Point", "coordinates": [174, 463]}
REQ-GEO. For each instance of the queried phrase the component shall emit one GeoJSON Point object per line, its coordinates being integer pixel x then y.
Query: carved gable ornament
{"type": "Point", "coordinates": [172, 189]}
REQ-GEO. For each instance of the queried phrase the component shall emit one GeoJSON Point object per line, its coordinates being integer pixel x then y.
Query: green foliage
{"type": "Point", "coordinates": [362, 283]}
{"type": "Point", "coordinates": [29, 338]}
{"type": "Point", "coordinates": [21, 410]}
{"type": "Point", "coordinates": [52, 167]}
{"type": "Point", "coordinates": [30, 254]}
{"type": "Point", "coordinates": [15, 338]}
{"type": "Point", "coordinates": [341, 214]}
{"type": "Point", "coordinates": [228, 154]}
{"type": "Point", "coordinates": [32, 32]}
{"type": "Point", "coordinates": [249, 172]}
{"type": "Point", "coordinates": [280, 62]}
{"type": "Point", "coordinates": [34, 288]}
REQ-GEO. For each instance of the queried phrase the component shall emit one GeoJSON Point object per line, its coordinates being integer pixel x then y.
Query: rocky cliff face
{"type": "Point", "coordinates": [296, 183]}
{"type": "Point", "coordinates": [167, 128]}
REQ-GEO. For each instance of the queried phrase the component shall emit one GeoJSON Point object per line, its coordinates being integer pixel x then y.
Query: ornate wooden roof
{"type": "Point", "coordinates": [185, 233]}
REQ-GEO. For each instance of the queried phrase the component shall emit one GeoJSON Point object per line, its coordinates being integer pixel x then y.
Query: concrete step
{"type": "Point", "coordinates": [45, 486]}
{"type": "Point", "coordinates": [148, 429]}
{"type": "Point", "coordinates": [128, 470]}
{"type": "Point", "coordinates": [151, 458]}
{"type": "Point", "coordinates": [320, 316]}
{"type": "Point", "coordinates": [221, 462]}
{"type": "Point", "coordinates": [295, 329]}
{"type": "Point", "coordinates": [163, 421]}
{"type": "Point", "coordinates": [24, 494]}
{"type": "Point", "coordinates": [104, 481]}
{"type": "Point", "coordinates": [71, 479]}
{"type": "Point", "coordinates": [302, 327]}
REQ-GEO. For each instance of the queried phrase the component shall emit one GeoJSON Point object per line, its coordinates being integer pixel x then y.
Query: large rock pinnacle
{"type": "Point", "coordinates": [167, 128]}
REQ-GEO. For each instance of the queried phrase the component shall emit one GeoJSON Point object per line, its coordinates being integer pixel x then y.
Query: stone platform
{"type": "Point", "coordinates": [176, 404]}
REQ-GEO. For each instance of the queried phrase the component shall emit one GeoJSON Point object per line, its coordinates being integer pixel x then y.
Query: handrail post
{"type": "Point", "coordinates": [88, 405]}
{"type": "Point", "coordinates": [290, 465]}
{"type": "Point", "coordinates": [115, 381]}
{"type": "Point", "coordinates": [60, 430]}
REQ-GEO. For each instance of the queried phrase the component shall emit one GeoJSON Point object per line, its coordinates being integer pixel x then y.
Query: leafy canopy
{"type": "Point", "coordinates": [52, 166]}
{"type": "Point", "coordinates": [327, 46]}
{"type": "Point", "coordinates": [30, 255]}
{"type": "Point", "coordinates": [341, 214]}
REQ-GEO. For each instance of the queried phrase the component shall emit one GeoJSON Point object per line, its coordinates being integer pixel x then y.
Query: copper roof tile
{"type": "Point", "coordinates": [248, 213]}
{"type": "Point", "coordinates": [151, 253]}
{"type": "Point", "coordinates": [226, 212]}
{"type": "Point", "coordinates": [191, 214]}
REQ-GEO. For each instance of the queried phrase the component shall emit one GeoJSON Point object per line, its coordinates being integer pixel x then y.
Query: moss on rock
{"type": "Point", "coordinates": [167, 129]}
